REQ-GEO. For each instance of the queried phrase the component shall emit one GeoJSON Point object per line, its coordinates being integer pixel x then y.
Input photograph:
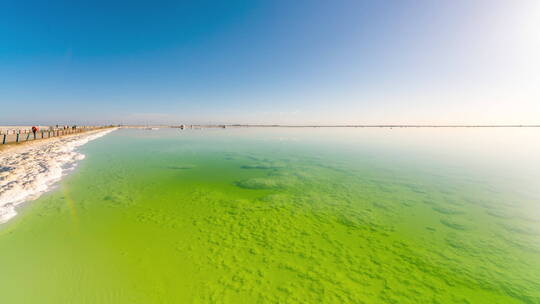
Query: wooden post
{"type": "Point", "coordinates": [4, 140]}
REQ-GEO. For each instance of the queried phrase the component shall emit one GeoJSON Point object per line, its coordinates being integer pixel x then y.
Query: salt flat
{"type": "Point", "coordinates": [27, 171]}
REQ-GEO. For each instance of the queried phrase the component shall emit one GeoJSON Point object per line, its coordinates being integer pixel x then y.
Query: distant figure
{"type": "Point", "coordinates": [74, 127]}
{"type": "Point", "coordinates": [34, 130]}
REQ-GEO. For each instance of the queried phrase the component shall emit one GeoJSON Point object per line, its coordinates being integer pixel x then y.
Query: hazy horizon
{"type": "Point", "coordinates": [270, 62]}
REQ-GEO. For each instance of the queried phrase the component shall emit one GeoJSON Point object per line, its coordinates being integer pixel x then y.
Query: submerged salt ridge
{"type": "Point", "coordinates": [27, 172]}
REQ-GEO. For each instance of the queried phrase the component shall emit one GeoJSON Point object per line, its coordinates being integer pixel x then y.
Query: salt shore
{"type": "Point", "coordinates": [29, 170]}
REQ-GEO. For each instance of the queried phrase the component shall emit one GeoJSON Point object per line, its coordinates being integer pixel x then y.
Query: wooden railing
{"type": "Point", "coordinates": [24, 135]}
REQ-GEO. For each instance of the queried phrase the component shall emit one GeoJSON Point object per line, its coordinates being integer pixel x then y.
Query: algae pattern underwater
{"type": "Point", "coordinates": [284, 216]}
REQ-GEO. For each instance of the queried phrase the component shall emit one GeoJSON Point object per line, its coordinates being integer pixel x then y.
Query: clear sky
{"type": "Point", "coordinates": [274, 61]}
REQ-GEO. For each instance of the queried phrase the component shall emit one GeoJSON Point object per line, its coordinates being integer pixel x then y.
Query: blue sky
{"type": "Point", "coordinates": [275, 61]}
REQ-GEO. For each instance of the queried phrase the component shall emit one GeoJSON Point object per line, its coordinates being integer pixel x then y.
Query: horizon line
{"type": "Point", "coordinates": [366, 125]}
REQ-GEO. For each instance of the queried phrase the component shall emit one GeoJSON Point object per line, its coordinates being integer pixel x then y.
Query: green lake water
{"type": "Point", "coordinates": [285, 216]}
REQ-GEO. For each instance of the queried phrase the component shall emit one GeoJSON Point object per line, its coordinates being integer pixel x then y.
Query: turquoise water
{"type": "Point", "coordinates": [285, 216]}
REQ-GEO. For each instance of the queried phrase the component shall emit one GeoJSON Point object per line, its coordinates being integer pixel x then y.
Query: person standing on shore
{"type": "Point", "coordinates": [34, 130]}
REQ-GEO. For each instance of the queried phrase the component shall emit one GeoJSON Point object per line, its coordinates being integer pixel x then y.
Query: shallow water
{"type": "Point", "coordinates": [285, 215]}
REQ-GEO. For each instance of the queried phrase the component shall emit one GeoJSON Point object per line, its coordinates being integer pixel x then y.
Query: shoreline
{"type": "Point", "coordinates": [30, 169]}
